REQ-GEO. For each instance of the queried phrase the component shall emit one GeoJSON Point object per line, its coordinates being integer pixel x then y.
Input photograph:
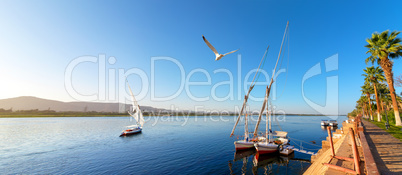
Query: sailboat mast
{"type": "Point", "coordinates": [248, 93]}
{"type": "Point", "coordinates": [266, 125]}
{"type": "Point", "coordinates": [270, 123]}
{"type": "Point", "coordinates": [246, 128]}
{"type": "Point", "coordinates": [270, 84]}
{"type": "Point", "coordinates": [280, 51]}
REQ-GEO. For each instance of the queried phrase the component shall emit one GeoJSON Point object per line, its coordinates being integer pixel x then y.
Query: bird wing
{"type": "Point", "coordinates": [230, 52]}
{"type": "Point", "coordinates": [210, 46]}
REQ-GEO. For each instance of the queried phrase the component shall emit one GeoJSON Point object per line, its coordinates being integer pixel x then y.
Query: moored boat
{"type": "Point", "coordinates": [280, 137]}
{"type": "Point", "coordinates": [270, 146]}
{"type": "Point", "coordinates": [324, 122]}
{"type": "Point", "coordinates": [266, 147]}
{"type": "Point", "coordinates": [243, 145]}
{"type": "Point", "coordinates": [286, 149]}
{"type": "Point", "coordinates": [246, 143]}
{"type": "Point", "coordinates": [333, 123]}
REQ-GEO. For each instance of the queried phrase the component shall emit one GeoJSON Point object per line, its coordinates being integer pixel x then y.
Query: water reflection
{"type": "Point", "coordinates": [265, 163]}
{"type": "Point", "coordinates": [243, 154]}
{"type": "Point", "coordinates": [333, 128]}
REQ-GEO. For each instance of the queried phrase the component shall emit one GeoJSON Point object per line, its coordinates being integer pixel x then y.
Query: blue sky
{"type": "Point", "coordinates": [40, 39]}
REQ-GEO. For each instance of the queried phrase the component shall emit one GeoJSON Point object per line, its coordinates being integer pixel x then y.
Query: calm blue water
{"type": "Point", "coordinates": [167, 145]}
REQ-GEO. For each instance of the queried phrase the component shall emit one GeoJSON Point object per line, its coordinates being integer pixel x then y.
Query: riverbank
{"type": "Point", "coordinates": [395, 131]}
{"type": "Point", "coordinates": [385, 148]}
{"type": "Point", "coordinates": [340, 140]}
{"type": "Point", "coordinates": [378, 150]}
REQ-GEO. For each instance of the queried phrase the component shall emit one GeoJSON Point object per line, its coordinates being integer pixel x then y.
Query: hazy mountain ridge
{"type": "Point", "coordinates": [29, 103]}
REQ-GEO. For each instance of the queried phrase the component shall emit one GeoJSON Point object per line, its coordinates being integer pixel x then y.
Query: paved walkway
{"type": "Point", "coordinates": [386, 149]}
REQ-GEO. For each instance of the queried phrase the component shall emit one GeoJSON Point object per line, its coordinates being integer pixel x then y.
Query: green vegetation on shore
{"type": "Point", "coordinates": [393, 130]}
{"type": "Point", "coordinates": [377, 96]}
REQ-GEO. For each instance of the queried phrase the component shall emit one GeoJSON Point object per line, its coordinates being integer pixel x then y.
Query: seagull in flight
{"type": "Point", "coordinates": [218, 56]}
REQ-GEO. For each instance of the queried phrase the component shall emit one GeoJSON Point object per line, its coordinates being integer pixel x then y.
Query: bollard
{"type": "Point", "coordinates": [356, 155]}
{"type": "Point", "coordinates": [355, 159]}
{"type": "Point", "coordinates": [331, 144]}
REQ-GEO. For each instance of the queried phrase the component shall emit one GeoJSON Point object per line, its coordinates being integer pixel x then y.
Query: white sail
{"type": "Point", "coordinates": [140, 118]}
{"type": "Point", "coordinates": [136, 112]}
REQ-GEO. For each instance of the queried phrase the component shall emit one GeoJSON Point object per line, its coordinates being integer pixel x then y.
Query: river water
{"type": "Point", "coordinates": [167, 145]}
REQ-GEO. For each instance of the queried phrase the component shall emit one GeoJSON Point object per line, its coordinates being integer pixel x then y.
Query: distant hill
{"type": "Point", "coordinates": [29, 103]}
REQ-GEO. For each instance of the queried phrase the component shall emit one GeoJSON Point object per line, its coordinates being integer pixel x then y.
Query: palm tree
{"type": "Point", "coordinates": [368, 90]}
{"type": "Point", "coordinates": [382, 47]}
{"type": "Point", "coordinates": [374, 75]}
{"type": "Point", "coordinates": [386, 99]}
{"type": "Point", "coordinates": [383, 92]}
{"type": "Point", "coordinates": [362, 102]}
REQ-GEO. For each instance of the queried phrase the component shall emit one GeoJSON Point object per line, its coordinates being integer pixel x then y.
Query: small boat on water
{"type": "Point", "coordinates": [333, 123]}
{"type": "Point", "coordinates": [268, 146]}
{"type": "Point", "coordinates": [286, 149]}
{"type": "Point", "coordinates": [247, 143]}
{"type": "Point", "coordinates": [324, 122]}
{"type": "Point", "coordinates": [280, 137]}
{"type": "Point", "coordinates": [244, 144]}
{"type": "Point", "coordinates": [136, 113]}
{"type": "Point", "coordinates": [132, 129]}
{"type": "Point", "coordinates": [265, 145]}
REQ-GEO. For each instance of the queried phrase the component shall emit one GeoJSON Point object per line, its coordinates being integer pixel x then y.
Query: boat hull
{"type": "Point", "coordinates": [243, 145]}
{"type": "Point", "coordinates": [131, 132]}
{"type": "Point", "coordinates": [333, 124]}
{"type": "Point", "coordinates": [266, 148]}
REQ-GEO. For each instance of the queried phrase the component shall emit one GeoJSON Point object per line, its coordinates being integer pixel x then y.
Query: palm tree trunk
{"type": "Point", "coordinates": [382, 106]}
{"type": "Point", "coordinates": [395, 105]}
{"type": "Point", "coordinates": [364, 111]}
{"type": "Point", "coordinates": [386, 65]}
{"type": "Point", "coordinates": [378, 103]}
{"type": "Point", "coordinates": [371, 113]}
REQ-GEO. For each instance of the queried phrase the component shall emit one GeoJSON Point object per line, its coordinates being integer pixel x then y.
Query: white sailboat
{"type": "Point", "coordinates": [136, 113]}
{"type": "Point", "coordinates": [246, 143]}
{"type": "Point", "coordinates": [269, 146]}
{"type": "Point", "coordinates": [266, 146]}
